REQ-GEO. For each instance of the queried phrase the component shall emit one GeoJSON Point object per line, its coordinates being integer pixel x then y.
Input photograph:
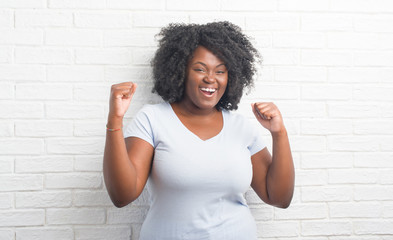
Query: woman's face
{"type": "Point", "coordinates": [207, 79]}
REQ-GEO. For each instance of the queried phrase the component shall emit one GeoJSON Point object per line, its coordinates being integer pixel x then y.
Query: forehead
{"type": "Point", "coordinates": [204, 55]}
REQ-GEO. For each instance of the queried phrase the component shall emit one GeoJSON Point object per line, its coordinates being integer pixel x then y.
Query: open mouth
{"type": "Point", "coordinates": [208, 91]}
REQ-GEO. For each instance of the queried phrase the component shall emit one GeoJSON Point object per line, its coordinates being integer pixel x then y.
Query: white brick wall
{"type": "Point", "coordinates": [328, 65]}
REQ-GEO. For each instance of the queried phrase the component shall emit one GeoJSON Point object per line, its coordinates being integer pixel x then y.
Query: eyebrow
{"type": "Point", "coordinates": [206, 66]}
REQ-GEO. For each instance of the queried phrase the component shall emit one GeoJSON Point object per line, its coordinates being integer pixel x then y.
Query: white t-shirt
{"type": "Point", "coordinates": [196, 186]}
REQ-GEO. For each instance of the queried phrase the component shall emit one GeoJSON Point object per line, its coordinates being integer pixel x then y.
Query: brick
{"type": "Point", "coordinates": [373, 160]}
{"type": "Point", "coordinates": [326, 58]}
{"type": "Point", "coordinates": [278, 229]}
{"type": "Point", "coordinates": [19, 36]}
{"type": "Point", "coordinates": [300, 74]}
{"type": "Point", "coordinates": [307, 143]}
{"type": "Point", "coordinates": [103, 20]}
{"type": "Point", "coordinates": [302, 109]}
{"type": "Point", "coordinates": [386, 143]}
{"type": "Point", "coordinates": [156, 19]}
{"type": "Point", "coordinates": [372, 92]}
{"type": "Point", "coordinates": [125, 38]}
{"type": "Point", "coordinates": [5, 54]}
{"type": "Point", "coordinates": [384, 41]}
{"type": "Point", "coordinates": [347, 41]}
{"type": "Point", "coordinates": [43, 55]}
{"type": "Point", "coordinates": [22, 72]}
{"type": "Point", "coordinates": [262, 213]}
{"type": "Point", "coordinates": [23, 4]}
{"type": "Point", "coordinates": [103, 233]}
{"type": "Point", "coordinates": [202, 18]}
{"type": "Point", "coordinates": [352, 143]}
{"type": "Point", "coordinates": [85, 216]}
{"type": "Point", "coordinates": [326, 92]}
{"type": "Point", "coordinates": [43, 18]}
{"type": "Point", "coordinates": [92, 198]}
{"type": "Point", "coordinates": [385, 177]}
{"type": "Point", "coordinates": [372, 24]}
{"type": "Point", "coordinates": [326, 22]}
{"type": "Point", "coordinates": [90, 129]}
{"type": "Point", "coordinates": [301, 212]}
{"type": "Point", "coordinates": [387, 210]}
{"type": "Point", "coordinates": [6, 18]}
{"type": "Point", "coordinates": [124, 74]}
{"type": "Point", "coordinates": [75, 73]}
{"type": "Point", "coordinates": [311, 177]}
{"type": "Point", "coordinates": [272, 22]}
{"type": "Point", "coordinates": [326, 160]}
{"type": "Point", "coordinates": [20, 182]}
{"type": "Point", "coordinates": [43, 164]}
{"type": "Point", "coordinates": [387, 110]}
{"type": "Point", "coordinates": [74, 111]}
{"type": "Point", "coordinates": [252, 5]}
{"type": "Point", "coordinates": [44, 91]}
{"type": "Point", "coordinates": [376, 227]}
{"type": "Point", "coordinates": [368, 127]}
{"type": "Point", "coordinates": [7, 91]}
{"type": "Point", "coordinates": [274, 91]}
{"type": "Point", "coordinates": [6, 201]}
{"type": "Point", "coordinates": [362, 6]}
{"type": "Point", "coordinates": [76, 146]}
{"type": "Point", "coordinates": [299, 40]}
{"type": "Point", "coordinates": [280, 57]}
{"type": "Point", "coordinates": [325, 126]}
{"type": "Point", "coordinates": [203, 5]}
{"type": "Point", "coordinates": [77, 4]}
{"type": "Point", "coordinates": [6, 164]}
{"type": "Point", "coordinates": [17, 218]}
{"type": "Point", "coordinates": [6, 129]}
{"type": "Point", "coordinates": [326, 228]}
{"type": "Point", "coordinates": [360, 75]}
{"type": "Point", "coordinates": [326, 194]}
{"type": "Point", "coordinates": [73, 37]}
{"type": "Point", "coordinates": [142, 56]}
{"type": "Point", "coordinates": [43, 199]}
{"type": "Point", "coordinates": [21, 110]}
{"type": "Point", "coordinates": [353, 110]}
{"type": "Point", "coordinates": [25, 146]}
{"type": "Point", "coordinates": [96, 92]}
{"type": "Point", "coordinates": [58, 233]}
{"type": "Point", "coordinates": [130, 214]}
{"type": "Point", "coordinates": [88, 163]}
{"type": "Point", "coordinates": [352, 176]}
{"type": "Point", "coordinates": [373, 193]}
{"type": "Point", "coordinates": [137, 5]}
{"type": "Point", "coordinates": [73, 180]}
{"type": "Point", "coordinates": [373, 58]}
{"type": "Point", "coordinates": [303, 5]}
{"type": "Point", "coordinates": [7, 234]}
{"type": "Point", "coordinates": [113, 56]}
{"type": "Point", "coordinates": [43, 128]}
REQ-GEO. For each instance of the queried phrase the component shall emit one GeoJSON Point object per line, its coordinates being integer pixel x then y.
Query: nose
{"type": "Point", "coordinates": [209, 78]}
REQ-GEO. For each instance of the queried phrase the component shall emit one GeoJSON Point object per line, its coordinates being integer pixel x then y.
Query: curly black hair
{"type": "Point", "coordinates": [177, 42]}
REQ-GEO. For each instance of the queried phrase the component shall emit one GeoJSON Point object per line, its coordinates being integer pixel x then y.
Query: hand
{"type": "Point", "coordinates": [120, 99]}
{"type": "Point", "coordinates": [268, 116]}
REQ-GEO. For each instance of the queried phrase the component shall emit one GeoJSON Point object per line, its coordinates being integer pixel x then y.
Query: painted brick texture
{"type": "Point", "coordinates": [327, 64]}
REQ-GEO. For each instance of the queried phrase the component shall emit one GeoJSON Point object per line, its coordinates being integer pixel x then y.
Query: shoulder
{"type": "Point", "coordinates": [152, 109]}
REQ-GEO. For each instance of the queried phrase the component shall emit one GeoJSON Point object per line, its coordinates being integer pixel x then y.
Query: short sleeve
{"type": "Point", "coordinates": [141, 126]}
{"type": "Point", "coordinates": [257, 143]}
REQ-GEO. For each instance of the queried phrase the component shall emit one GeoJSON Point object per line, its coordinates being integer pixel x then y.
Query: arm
{"type": "Point", "coordinates": [126, 161]}
{"type": "Point", "coordinates": [273, 176]}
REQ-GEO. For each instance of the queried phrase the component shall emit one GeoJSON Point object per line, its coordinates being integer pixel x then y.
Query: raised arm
{"type": "Point", "coordinates": [126, 161]}
{"type": "Point", "coordinates": [273, 176]}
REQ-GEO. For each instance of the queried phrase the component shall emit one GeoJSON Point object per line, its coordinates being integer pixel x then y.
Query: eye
{"type": "Point", "coordinates": [220, 72]}
{"type": "Point", "coordinates": [199, 70]}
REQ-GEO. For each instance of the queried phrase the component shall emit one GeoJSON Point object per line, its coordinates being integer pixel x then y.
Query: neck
{"type": "Point", "coordinates": [189, 109]}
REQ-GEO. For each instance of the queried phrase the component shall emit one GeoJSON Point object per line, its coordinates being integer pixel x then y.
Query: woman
{"type": "Point", "coordinates": [199, 157]}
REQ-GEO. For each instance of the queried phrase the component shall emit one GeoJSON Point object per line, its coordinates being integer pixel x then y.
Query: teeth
{"type": "Point", "coordinates": [208, 89]}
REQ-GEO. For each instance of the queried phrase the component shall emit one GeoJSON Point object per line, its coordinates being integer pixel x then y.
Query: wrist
{"type": "Point", "coordinates": [281, 133]}
{"type": "Point", "coordinates": [114, 122]}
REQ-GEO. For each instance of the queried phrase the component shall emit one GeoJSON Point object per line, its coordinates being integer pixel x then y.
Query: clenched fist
{"type": "Point", "coordinates": [268, 116]}
{"type": "Point", "coordinates": [119, 101]}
